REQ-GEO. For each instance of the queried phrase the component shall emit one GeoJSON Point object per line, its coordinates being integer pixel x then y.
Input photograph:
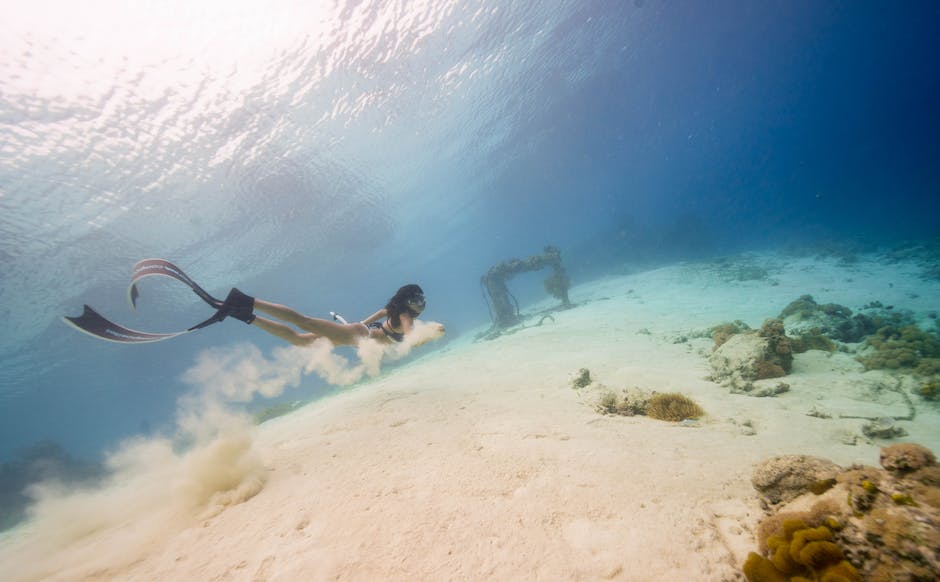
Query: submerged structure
{"type": "Point", "coordinates": [504, 309]}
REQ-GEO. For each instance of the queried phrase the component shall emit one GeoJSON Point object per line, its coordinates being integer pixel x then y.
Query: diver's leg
{"type": "Point", "coordinates": [338, 333]}
{"type": "Point", "coordinates": [282, 312]}
{"type": "Point", "coordinates": [283, 331]}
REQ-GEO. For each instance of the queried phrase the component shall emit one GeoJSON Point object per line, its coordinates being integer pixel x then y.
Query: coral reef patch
{"type": "Point", "coordinates": [930, 389]}
{"type": "Point", "coordinates": [902, 458]}
{"type": "Point", "coordinates": [752, 355]}
{"type": "Point", "coordinates": [906, 349]}
{"type": "Point", "coordinates": [893, 347]}
{"type": "Point", "coordinates": [863, 523]}
{"type": "Point", "coordinates": [805, 317]}
{"type": "Point", "coordinates": [882, 338]}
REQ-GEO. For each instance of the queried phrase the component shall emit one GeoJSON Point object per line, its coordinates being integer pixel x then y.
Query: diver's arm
{"type": "Point", "coordinates": [375, 316]}
{"type": "Point", "coordinates": [407, 323]}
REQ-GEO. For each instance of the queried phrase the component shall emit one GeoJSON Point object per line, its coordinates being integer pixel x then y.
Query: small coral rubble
{"type": "Point", "coordinates": [629, 402]}
{"type": "Point", "coordinates": [877, 524]}
{"type": "Point", "coordinates": [672, 406]}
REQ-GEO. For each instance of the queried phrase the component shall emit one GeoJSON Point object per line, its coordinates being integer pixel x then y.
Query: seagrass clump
{"type": "Point", "coordinates": [673, 407]}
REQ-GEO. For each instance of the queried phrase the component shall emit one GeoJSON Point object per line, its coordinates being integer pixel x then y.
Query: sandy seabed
{"type": "Point", "coordinates": [481, 462]}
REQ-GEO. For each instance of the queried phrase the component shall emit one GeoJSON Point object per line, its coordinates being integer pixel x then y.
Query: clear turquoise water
{"type": "Point", "coordinates": [322, 155]}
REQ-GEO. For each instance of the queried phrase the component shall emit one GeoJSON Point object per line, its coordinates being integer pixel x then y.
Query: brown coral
{"type": "Point", "coordinates": [721, 333]}
{"type": "Point", "coordinates": [907, 346]}
{"type": "Point", "coordinates": [780, 351]}
{"type": "Point", "coordinates": [906, 457]}
{"type": "Point", "coordinates": [753, 356]}
{"type": "Point", "coordinates": [673, 407]}
{"type": "Point", "coordinates": [765, 370]}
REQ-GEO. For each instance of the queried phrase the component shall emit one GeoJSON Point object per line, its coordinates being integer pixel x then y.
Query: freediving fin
{"type": "Point", "coordinates": [238, 305]}
{"type": "Point", "coordinates": [163, 267]}
{"type": "Point", "coordinates": [96, 325]}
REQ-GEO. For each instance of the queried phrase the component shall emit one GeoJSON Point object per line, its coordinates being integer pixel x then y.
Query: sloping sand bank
{"type": "Point", "coordinates": [482, 462]}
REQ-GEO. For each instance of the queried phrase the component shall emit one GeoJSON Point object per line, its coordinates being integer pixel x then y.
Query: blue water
{"type": "Point", "coordinates": [323, 154]}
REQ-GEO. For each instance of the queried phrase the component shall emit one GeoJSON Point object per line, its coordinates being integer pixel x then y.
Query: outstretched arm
{"type": "Point", "coordinates": [376, 316]}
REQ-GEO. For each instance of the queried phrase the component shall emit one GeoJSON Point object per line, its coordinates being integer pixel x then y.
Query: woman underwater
{"type": "Point", "coordinates": [399, 315]}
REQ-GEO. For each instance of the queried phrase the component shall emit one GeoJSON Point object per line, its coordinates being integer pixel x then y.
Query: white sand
{"type": "Point", "coordinates": [481, 462]}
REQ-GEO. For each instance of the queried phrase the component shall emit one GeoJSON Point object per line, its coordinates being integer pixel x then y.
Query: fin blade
{"type": "Point", "coordinates": [96, 325]}
{"type": "Point", "coordinates": [163, 267]}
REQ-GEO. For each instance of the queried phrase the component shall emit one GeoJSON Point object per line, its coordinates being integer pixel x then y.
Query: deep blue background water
{"type": "Point", "coordinates": [321, 156]}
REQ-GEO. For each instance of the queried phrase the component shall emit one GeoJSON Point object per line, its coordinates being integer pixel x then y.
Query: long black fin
{"type": "Point", "coordinates": [96, 325]}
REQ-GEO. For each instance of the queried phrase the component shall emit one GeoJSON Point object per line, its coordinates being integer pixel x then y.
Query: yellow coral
{"type": "Point", "coordinates": [903, 499]}
{"type": "Point", "coordinates": [803, 537]}
{"type": "Point", "coordinates": [799, 552]}
{"type": "Point", "coordinates": [820, 555]}
{"type": "Point", "coordinates": [759, 569]}
{"type": "Point", "coordinates": [841, 572]}
{"type": "Point", "coordinates": [821, 486]}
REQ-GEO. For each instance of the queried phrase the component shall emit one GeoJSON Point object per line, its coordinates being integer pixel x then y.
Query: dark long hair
{"type": "Point", "coordinates": [398, 304]}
